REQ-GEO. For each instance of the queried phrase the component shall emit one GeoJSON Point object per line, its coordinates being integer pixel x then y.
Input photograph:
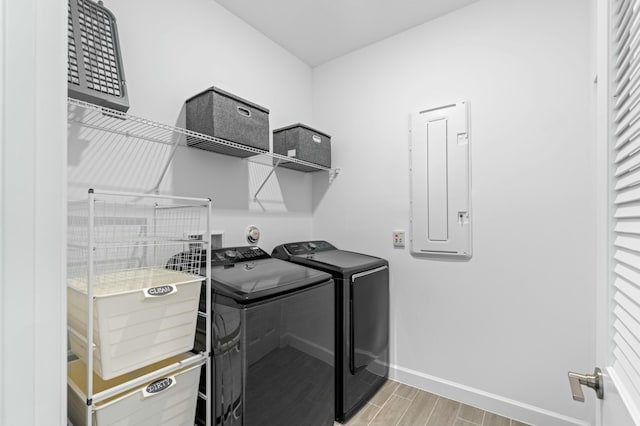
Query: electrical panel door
{"type": "Point", "coordinates": [441, 181]}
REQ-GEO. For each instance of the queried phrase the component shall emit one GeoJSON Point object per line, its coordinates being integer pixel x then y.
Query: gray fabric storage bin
{"type": "Point", "coordinates": [304, 143]}
{"type": "Point", "coordinates": [222, 115]}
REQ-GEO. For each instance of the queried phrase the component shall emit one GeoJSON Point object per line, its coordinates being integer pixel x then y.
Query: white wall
{"type": "Point", "coordinates": [502, 329]}
{"type": "Point", "coordinates": [171, 51]}
{"type": "Point", "coordinates": [32, 212]}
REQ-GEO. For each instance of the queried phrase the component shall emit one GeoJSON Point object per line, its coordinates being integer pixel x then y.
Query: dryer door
{"type": "Point", "coordinates": [369, 319]}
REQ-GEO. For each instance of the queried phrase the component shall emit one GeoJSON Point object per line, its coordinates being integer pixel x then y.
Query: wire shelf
{"type": "Point", "coordinates": [106, 119]}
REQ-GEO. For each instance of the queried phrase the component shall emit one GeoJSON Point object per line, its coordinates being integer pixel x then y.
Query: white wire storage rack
{"type": "Point", "coordinates": [115, 122]}
{"type": "Point", "coordinates": [135, 275]}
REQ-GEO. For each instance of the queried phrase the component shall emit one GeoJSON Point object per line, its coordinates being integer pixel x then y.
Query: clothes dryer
{"type": "Point", "coordinates": [362, 318]}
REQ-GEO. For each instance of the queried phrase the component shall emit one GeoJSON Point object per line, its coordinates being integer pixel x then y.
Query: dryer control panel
{"type": "Point", "coordinates": [301, 248]}
{"type": "Point", "coordinates": [232, 255]}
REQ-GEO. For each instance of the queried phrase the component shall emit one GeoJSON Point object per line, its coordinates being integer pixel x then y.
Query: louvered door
{"type": "Point", "coordinates": [621, 128]}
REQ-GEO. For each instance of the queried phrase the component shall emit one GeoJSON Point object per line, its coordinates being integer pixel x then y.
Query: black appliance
{"type": "Point", "coordinates": [272, 341]}
{"type": "Point", "coordinates": [362, 318]}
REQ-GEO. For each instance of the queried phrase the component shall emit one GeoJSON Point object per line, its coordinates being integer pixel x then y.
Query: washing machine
{"type": "Point", "coordinates": [362, 318]}
{"type": "Point", "coordinates": [272, 341]}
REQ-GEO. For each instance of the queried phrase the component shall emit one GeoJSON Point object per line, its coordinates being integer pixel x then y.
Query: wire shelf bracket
{"type": "Point", "coordinates": [333, 172]}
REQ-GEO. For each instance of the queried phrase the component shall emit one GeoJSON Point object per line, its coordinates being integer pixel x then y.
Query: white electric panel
{"type": "Point", "coordinates": [441, 181]}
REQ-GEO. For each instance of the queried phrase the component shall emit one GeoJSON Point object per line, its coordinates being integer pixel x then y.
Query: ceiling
{"type": "Point", "coordinates": [317, 31]}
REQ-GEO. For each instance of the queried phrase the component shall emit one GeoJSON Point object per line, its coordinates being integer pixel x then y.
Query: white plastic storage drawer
{"type": "Point", "coordinates": [169, 400]}
{"type": "Point", "coordinates": [140, 316]}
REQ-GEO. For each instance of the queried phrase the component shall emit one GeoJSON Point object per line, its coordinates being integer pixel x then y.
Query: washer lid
{"type": "Point", "coordinates": [339, 261]}
{"type": "Point", "coordinates": [254, 280]}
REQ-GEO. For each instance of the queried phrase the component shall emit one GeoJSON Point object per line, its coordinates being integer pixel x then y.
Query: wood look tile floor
{"type": "Point", "coordinates": [399, 404]}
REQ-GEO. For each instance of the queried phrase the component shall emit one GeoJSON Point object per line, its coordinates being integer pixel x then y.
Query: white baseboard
{"type": "Point", "coordinates": [487, 401]}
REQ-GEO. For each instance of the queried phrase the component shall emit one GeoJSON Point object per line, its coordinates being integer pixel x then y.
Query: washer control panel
{"type": "Point", "coordinates": [231, 255]}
